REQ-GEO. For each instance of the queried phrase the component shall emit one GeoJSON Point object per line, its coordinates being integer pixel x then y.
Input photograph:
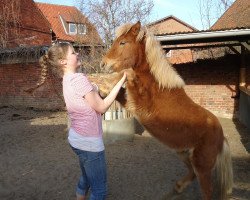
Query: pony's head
{"type": "Point", "coordinates": [135, 47]}
{"type": "Point", "coordinates": [126, 50]}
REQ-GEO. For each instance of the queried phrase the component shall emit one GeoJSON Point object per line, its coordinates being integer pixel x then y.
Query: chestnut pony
{"type": "Point", "coordinates": [154, 94]}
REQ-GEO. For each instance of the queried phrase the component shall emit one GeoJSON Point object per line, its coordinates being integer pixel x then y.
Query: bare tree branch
{"type": "Point", "coordinates": [107, 15]}
{"type": "Point", "coordinates": [9, 22]}
{"type": "Point", "coordinates": [211, 10]}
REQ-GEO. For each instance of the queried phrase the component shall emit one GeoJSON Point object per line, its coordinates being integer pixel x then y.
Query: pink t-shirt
{"type": "Point", "coordinates": [84, 119]}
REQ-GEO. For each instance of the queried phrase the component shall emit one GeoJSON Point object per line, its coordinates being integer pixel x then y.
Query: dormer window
{"type": "Point", "coordinates": [77, 29]}
{"type": "Point", "coordinates": [72, 29]}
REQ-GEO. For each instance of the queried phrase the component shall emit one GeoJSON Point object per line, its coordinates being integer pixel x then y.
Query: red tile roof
{"type": "Point", "coordinates": [69, 14]}
{"type": "Point", "coordinates": [236, 16]}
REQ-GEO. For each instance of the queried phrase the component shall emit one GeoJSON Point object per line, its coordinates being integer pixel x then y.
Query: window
{"type": "Point", "coordinates": [77, 29]}
{"type": "Point", "coordinates": [168, 53]}
{"type": "Point", "coordinates": [82, 29]}
{"type": "Point", "coordinates": [72, 29]}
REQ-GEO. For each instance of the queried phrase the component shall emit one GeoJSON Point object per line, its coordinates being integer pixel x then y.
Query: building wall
{"type": "Point", "coordinates": [212, 84]}
{"type": "Point", "coordinates": [180, 56]}
{"type": "Point", "coordinates": [15, 78]}
{"type": "Point", "coordinates": [29, 27]}
{"type": "Point", "coordinates": [169, 26]}
{"type": "Point", "coordinates": [26, 37]}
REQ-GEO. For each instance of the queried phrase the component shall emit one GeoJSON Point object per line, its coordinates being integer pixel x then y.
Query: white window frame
{"type": "Point", "coordinates": [83, 27]}
{"type": "Point", "coordinates": [75, 32]}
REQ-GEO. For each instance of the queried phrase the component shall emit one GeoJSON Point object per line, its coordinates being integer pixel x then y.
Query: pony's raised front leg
{"type": "Point", "coordinates": [121, 97]}
{"type": "Point", "coordinates": [185, 181]}
{"type": "Point", "coordinates": [105, 82]}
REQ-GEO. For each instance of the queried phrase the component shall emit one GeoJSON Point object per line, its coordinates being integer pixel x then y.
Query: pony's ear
{"type": "Point", "coordinates": [135, 29]}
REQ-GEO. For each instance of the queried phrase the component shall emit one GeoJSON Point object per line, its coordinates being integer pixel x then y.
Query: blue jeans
{"type": "Point", "coordinates": [94, 174]}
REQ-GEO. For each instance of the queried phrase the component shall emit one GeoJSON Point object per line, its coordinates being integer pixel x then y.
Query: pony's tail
{"type": "Point", "coordinates": [224, 171]}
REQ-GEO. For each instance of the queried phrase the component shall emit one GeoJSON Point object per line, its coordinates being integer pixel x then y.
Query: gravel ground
{"type": "Point", "coordinates": [37, 163]}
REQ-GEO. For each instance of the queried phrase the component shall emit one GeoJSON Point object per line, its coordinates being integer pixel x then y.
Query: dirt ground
{"type": "Point", "coordinates": [37, 163]}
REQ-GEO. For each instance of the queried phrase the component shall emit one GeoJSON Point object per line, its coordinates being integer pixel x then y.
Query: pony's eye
{"type": "Point", "coordinates": [122, 43]}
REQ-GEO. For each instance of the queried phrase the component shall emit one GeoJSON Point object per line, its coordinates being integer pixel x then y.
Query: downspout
{"type": "Point", "coordinates": [242, 76]}
{"type": "Point", "coordinates": [242, 81]}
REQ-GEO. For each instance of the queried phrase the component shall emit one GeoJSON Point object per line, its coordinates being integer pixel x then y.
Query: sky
{"type": "Point", "coordinates": [185, 10]}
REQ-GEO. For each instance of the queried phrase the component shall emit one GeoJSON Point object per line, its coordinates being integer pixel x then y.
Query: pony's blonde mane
{"type": "Point", "coordinates": [162, 70]}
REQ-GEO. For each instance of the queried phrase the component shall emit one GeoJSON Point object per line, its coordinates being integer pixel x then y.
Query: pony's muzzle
{"type": "Point", "coordinates": [102, 65]}
{"type": "Point", "coordinates": [105, 66]}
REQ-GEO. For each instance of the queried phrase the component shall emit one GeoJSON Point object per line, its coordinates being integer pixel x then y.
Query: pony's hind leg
{"type": "Point", "coordinates": [203, 164]}
{"type": "Point", "coordinates": [186, 180]}
{"type": "Point", "coordinates": [205, 180]}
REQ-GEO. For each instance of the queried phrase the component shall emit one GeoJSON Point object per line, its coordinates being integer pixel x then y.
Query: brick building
{"type": "Point", "coordinates": [37, 26]}
{"type": "Point", "coordinates": [19, 68]}
{"type": "Point", "coordinates": [210, 82]}
{"type": "Point", "coordinates": [238, 17]}
{"type": "Point", "coordinates": [213, 77]}
{"type": "Point", "coordinates": [172, 24]}
{"type": "Point", "coordinates": [25, 24]}
{"type": "Point", "coordinates": [69, 25]}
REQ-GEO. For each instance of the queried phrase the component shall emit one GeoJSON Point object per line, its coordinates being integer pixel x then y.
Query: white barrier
{"type": "Point", "coordinates": [118, 124]}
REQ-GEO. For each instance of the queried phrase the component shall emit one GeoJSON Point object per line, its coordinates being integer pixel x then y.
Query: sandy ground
{"type": "Point", "coordinates": [37, 163]}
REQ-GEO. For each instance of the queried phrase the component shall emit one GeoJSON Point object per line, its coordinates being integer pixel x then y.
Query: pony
{"type": "Point", "coordinates": [155, 95]}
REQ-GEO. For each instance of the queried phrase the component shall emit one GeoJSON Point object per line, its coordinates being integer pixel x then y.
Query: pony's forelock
{"type": "Point", "coordinates": [125, 28]}
{"type": "Point", "coordinates": [162, 70]}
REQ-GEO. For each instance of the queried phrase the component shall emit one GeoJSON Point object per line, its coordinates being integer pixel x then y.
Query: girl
{"type": "Point", "coordinates": [84, 107]}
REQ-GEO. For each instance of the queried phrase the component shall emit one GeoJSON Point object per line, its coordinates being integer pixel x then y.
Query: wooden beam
{"type": "Point", "coordinates": [246, 45]}
{"type": "Point", "coordinates": [235, 49]}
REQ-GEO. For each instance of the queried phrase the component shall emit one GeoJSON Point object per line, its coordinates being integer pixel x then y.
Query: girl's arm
{"type": "Point", "coordinates": [102, 105]}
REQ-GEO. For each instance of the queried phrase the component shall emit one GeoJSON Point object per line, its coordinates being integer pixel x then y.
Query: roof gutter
{"type": "Point", "coordinates": [242, 35]}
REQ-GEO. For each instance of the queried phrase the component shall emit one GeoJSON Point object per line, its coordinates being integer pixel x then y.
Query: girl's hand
{"type": "Point", "coordinates": [130, 74]}
{"type": "Point", "coordinates": [124, 78]}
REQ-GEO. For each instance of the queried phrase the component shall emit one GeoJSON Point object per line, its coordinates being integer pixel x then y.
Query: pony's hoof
{"type": "Point", "coordinates": [179, 187]}
{"type": "Point", "coordinates": [103, 94]}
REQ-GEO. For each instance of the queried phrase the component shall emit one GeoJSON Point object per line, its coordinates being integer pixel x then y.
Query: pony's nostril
{"type": "Point", "coordinates": [102, 65]}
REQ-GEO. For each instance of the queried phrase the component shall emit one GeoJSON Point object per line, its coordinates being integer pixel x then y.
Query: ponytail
{"type": "Point", "coordinates": [49, 63]}
{"type": "Point", "coordinates": [43, 61]}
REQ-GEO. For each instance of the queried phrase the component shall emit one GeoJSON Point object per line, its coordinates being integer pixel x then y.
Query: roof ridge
{"type": "Point", "coordinates": [236, 10]}
{"type": "Point", "coordinates": [54, 4]}
{"type": "Point", "coordinates": [177, 19]}
{"type": "Point", "coordinates": [223, 14]}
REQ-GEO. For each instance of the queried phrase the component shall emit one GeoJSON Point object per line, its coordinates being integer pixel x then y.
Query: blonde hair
{"type": "Point", "coordinates": [50, 63]}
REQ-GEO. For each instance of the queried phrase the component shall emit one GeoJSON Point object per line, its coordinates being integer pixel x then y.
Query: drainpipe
{"type": "Point", "coordinates": [243, 68]}
{"type": "Point", "coordinates": [242, 74]}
